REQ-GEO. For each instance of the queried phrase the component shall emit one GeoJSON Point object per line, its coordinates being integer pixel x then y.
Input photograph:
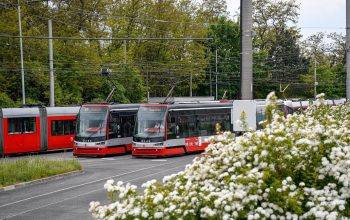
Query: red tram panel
{"type": "Point", "coordinates": [21, 130]}
{"type": "Point", "coordinates": [24, 130]}
{"type": "Point", "coordinates": [61, 125]}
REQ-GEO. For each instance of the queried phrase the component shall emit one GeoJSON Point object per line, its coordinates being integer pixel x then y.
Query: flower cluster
{"type": "Point", "coordinates": [297, 167]}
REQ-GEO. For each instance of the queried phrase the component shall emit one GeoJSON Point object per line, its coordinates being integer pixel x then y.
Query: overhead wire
{"type": "Point", "coordinates": [237, 60]}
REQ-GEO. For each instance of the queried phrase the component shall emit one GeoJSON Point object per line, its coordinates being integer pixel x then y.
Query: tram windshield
{"type": "Point", "coordinates": [91, 124]}
{"type": "Point", "coordinates": [150, 125]}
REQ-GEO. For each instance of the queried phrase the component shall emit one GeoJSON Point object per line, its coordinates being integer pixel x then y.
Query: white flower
{"type": "Point", "coordinates": [320, 96]}
{"type": "Point", "coordinates": [158, 215]}
{"type": "Point", "coordinates": [110, 181]}
{"type": "Point", "coordinates": [158, 198]}
{"type": "Point", "coordinates": [144, 214]}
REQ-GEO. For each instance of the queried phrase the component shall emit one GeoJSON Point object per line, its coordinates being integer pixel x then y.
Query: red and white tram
{"type": "Point", "coordinates": [293, 106]}
{"type": "Point", "coordinates": [36, 129]}
{"type": "Point", "coordinates": [172, 129]}
{"type": "Point", "coordinates": [104, 129]}
{"type": "Point", "coordinates": [179, 128]}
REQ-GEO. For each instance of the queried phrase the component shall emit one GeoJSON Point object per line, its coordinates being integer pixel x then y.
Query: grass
{"type": "Point", "coordinates": [24, 170]}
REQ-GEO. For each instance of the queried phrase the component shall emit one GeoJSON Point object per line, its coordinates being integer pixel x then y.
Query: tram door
{"type": "Point", "coordinates": [127, 121]}
{"type": "Point", "coordinates": [122, 124]}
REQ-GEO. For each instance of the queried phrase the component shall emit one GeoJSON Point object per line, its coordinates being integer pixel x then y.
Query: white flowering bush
{"type": "Point", "coordinates": [297, 167]}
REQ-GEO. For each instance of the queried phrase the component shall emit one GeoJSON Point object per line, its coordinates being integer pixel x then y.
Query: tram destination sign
{"type": "Point", "coordinates": [154, 109]}
{"type": "Point", "coordinates": [94, 109]}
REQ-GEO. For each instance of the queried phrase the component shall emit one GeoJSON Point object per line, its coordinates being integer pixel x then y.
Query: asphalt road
{"type": "Point", "coordinates": [69, 197]}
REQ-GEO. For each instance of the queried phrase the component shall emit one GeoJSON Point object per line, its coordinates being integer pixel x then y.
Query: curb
{"type": "Point", "coordinates": [45, 179]}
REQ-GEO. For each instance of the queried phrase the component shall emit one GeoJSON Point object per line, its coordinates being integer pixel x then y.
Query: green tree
{"type": "Point", "coordinates": [278, 59]}
{"type": "Point", "coordinates": [225, 34]}
{"type": "Point", "coordinates": [212, 10]}
{"type": "Point", "coordinates": [6, 101]}
{"type": "Point", "coordinates": [330, 58]}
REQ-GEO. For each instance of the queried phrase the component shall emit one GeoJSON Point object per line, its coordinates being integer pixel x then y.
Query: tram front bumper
{"type": "Point", "coordinates": [97, 151]}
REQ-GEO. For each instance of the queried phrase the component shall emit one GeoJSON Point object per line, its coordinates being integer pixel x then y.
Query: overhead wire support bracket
{"type": "Point", "coordinates": [107, 72]}
{"type": "Point", "coordinates": [169, 93]}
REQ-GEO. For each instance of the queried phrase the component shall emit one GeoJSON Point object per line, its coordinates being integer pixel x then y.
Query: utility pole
{"type": "Point", "coordinates": [210, 85]}
{"type": "Point", "coordinates": [124, 52]}
{"type": "Point", "coordinates": [21, 48]}
{"type": "Point", "coordinates": [191, 85]}
{"type": "Point", "coordinates": [52, 79]}
{"type": "Point", "coordinates": [315, 79]}
{"type": "Point", "coordinates": [147, 88]}
{"type": "Point", "coordinates": [246, 50]}
{"type": "Point", "coordinates": [348, 50]}
{"type": "Point", "coordinates": [216, 74]}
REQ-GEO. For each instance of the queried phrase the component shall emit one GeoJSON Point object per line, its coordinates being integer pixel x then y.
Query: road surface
{"type": "Point", "coordinates": [69, 197]}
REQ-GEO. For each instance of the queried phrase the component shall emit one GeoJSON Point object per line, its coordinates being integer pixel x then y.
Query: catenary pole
{"type": "Point", "coordinates": [246, 50]}
{"type": "Point", "coordinates": [147, 88]}
{"type": "Point", "coordinates": [191, 85]}
{"type": "Point", "coordinates": [124, 51]}
{"type": "Point", "coordinates": [21, 48]}
{"type": "Point", "coordinates": [348, 49]}
{"type": "Point", "coordinates": [210, 85]}
{"type": "Point", "coordinates": [52, 79]}
{"type": "Point", "coordinates": [216, 74]}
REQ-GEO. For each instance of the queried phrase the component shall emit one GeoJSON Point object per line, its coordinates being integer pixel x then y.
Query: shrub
{"type": "Point", "coordinates": [296, 168]}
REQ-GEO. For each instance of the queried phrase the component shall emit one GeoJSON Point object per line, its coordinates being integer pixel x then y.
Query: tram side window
{"type": "Point", "coordinates": [192, 126]}
{"type": "Point", "coordinates": [62, 127]}
{"type": "Point", "coordinates": [70, 127]}
{"type": "Point", "coordinates": [204, 125]}
{"type": "Point", "coordinates": [174, 128]}
{"type": "Point", "coordinates": [114, 127]}
{"type": "Point", "coordinates": [227, 122]}
{"type": "Point", "coordinates": [223, 120]}
{"type": "Point", "coordinates": [21, 125]}
{"type": "Point", "coordinates": [187, 124]}
{"type": "Point", "coordinates": [183, 126]}
{"type": "Point", "coordinates": [260, 116]}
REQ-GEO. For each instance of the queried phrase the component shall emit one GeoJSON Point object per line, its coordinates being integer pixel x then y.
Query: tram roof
{"type": "Point", "coordinates": [20, 112]}
{"type": "Point", "coordinates": [194, 105]}
{"type": "Point", "coordinates": [62, 111]}
{"type": "Point", "coordinates": [113, 106]}
{"type": "Point", "coordinates": [123, 106]}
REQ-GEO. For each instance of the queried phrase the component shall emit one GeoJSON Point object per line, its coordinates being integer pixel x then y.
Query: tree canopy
{"type": "Point", "coordinates": [139, 67]}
